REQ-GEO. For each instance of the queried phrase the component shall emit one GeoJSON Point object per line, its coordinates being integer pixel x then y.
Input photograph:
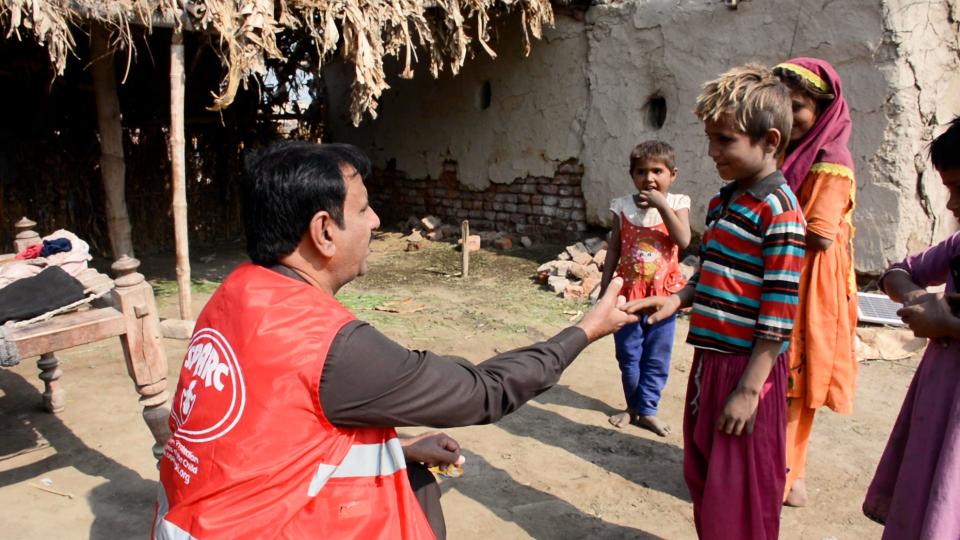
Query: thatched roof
{"type": "Point", "coordinates": [364, 31]}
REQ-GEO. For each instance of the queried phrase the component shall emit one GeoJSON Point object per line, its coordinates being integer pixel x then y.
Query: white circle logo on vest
{"type": "Point", "coordinates": [211, 403]}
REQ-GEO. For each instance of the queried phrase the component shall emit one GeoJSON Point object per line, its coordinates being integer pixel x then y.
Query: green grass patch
{"type": "Point", "coordinates": [168, 287]}
{"type": "Point", "coordinates": [361, 301]}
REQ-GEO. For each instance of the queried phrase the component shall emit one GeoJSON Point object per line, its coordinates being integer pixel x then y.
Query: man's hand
{"type": "Point", "coordinates": [657, 308]}
{"type": "Point", "coordinates": [740, 412]}
{"type": "Point", "coordinates": [434, 448]}
{"type": "Point", "coordinates": [606, 316]}
{"type": "Point", "coordinates": [929, 315]}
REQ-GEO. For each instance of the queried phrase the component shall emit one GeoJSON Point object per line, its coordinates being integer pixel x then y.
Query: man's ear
{"type": "Point", "coordinates": [772, 140]}
{"type": "Point", "coordinates": [321, 233]}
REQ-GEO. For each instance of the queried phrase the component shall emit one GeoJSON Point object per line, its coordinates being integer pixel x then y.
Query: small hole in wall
{"type": "Point", "coordinates": [655, 111]}
{"type": "Point", "coordinates": [484, 96]}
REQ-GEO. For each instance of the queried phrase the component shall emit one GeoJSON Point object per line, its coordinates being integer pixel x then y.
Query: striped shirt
{"type": "Point", "coordinates": [750, 261]}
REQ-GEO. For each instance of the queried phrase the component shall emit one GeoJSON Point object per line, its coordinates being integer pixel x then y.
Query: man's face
{"type": "Point", "coordinates": [359, 222]}
{"type": "Point", "coordinates": [735, 155]}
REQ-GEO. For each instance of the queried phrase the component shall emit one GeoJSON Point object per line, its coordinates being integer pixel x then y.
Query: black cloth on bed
{"type": "Point", "coordinates": [29, 297]}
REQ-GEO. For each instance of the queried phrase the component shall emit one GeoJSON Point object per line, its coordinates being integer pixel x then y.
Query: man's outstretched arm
{"type": "Point", "coordinates": [370, 380]}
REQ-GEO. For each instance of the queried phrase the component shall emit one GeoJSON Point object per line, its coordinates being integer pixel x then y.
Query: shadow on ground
{"type": "Point", "coordinates": [122, 507]}
{"type": "Point", "coordinates": [644, 461]}
{"type": "Point", "coordinates": [542, 515]}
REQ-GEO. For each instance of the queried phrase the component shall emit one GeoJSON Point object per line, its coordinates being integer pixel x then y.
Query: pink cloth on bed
{"type": "Point", "coordinates": [72, 262]}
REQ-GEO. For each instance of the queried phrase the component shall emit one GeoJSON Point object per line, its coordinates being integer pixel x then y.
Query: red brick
{"type": "Point", "coordinates": [473, 242]}
{"type": "Point", "coordinates": [503, 243]}
{"type": "Point", "coordinates": [582, 258]}
{"type": "Point", "coordinates": [572, 292]}
{"type": "Point", "coordinates": [589, 283]}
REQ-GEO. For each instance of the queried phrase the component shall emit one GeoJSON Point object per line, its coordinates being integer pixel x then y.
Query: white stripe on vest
{"type": "Point", "coordinates": [363, 460]}
{"type": "Point", "coordinates": [163, 529]}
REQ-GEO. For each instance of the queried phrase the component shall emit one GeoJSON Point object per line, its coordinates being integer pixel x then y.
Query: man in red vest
{"type": "Point", "coordinates": [283, 419]}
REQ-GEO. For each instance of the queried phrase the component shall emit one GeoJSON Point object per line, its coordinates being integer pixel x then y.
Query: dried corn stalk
{"type": "Point", "coordinates": [364, 31]}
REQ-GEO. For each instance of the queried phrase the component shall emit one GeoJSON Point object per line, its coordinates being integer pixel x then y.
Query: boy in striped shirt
{"type": "Point", "coordinates": [744, 296]}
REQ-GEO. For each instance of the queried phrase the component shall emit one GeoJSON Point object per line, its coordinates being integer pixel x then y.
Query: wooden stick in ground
{"type": "Point", "coordinates": [179, 172]}
{"type": "Point", "coordinates": [464, 235]}
{"type": "Point", "coordinates": [112, 166]}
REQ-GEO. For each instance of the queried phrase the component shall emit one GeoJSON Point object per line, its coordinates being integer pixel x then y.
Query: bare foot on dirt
{"type": "Point", "coordinates": [622, 419]}
{"type": "Point", "coordinates": [654, 424]}
{"type": "Point", "coordinates": [798, 494]}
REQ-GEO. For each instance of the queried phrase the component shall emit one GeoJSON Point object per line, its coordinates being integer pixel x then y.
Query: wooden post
{"type": "Point", "coordinates": [179, 171]}
{"type": "Point", "coordinates": [50, 372]}
{"type": "Point", "coordinates": [24, 236]}
{"type": "Point", "coordinates": [464, 235]}
{"type": "Point", "coordinates": [143, 347]}
{"type": "Point", "coordinates": [112, 167]}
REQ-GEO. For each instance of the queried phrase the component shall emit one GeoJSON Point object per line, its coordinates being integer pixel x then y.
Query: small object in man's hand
{"type": "Point", "coordinates": [450, 470]}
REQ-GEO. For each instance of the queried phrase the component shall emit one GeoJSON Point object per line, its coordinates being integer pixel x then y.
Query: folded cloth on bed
{"type": "Point", "coordinates": [57, 245]}
{"type": "Point", "coordinates": [73, 261]}
{"type": "Point", "coordinates": [29, 297]}
{"type": "Point", "coordinates": [31, 252]}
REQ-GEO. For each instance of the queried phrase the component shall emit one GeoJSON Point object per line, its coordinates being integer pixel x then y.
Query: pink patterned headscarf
{"type": "Point", "coordinates": [827, 141]}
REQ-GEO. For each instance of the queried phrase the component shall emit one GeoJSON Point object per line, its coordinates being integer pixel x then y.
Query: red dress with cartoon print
{"type": "Point", "coordinates": [649, 260]}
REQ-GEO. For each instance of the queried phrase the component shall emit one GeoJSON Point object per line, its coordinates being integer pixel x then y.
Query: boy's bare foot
{"type": "Point", "coordinates": [622, 419]}
{"type": "Point", "coordinates": [654, 424]}
{"type": "Point", "coordinates": [798, 494]}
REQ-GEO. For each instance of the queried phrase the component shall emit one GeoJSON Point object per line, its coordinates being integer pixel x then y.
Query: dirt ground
{"type": "Point", "coordinates": [553, 470]}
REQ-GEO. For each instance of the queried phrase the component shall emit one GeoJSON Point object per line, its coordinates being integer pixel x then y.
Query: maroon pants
{"type": "Point", "coordinates": [736, 482]}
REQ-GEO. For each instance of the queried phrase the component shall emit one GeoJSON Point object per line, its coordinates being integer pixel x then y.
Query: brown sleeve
{"type": "Point", "coordinates": [826, 203]}
{"type": "Point", "coordinates": [369, 380]}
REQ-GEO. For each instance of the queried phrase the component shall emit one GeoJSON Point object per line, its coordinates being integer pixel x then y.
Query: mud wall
{"type": "Point", "coordinates": [625, 72]}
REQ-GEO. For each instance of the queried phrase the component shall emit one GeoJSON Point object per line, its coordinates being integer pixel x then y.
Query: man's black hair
{"type": "Point", "coordinates": [285, 185]}
{"type": "Point", "coordinates": [945, 149]}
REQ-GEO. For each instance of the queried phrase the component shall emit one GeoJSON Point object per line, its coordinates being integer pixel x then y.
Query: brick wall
{"type": "Point", "coordinates": [536, 206]}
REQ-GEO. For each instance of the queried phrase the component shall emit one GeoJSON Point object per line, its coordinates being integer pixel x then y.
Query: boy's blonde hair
{"type": "Point", "coordinates": [754, 97]}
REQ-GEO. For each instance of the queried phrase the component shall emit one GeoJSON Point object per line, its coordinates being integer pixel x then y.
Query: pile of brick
{"type": "Point", "coordinates": [575, 273]}
{"type": "Point", "coordinates": [432, 228]}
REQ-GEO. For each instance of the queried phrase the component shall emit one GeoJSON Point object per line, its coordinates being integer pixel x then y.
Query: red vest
{"type": "Point", "coordinates": [252, 454]}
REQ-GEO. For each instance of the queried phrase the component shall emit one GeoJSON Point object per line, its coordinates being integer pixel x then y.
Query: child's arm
{"type": "Point", "coordinates": [740, 411]}
{"type": "Point", "coordinates": [825, 211]}
{"type": "Point", "coordinates": [928, 315]}
{"type": "Point", "coordinates": [677, 221]}
{"type": "Point", "coordinates": [783, 251]}
{"type": "Point", "coordinates": [613, 255]}
{"type": "Point", "coordinates": [661, 307]}
{"type": "Point", "coordinates": [900, 287]}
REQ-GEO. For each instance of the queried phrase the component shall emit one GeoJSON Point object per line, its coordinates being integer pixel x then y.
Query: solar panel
{"type": "Point", "coordinates": [878, 309]}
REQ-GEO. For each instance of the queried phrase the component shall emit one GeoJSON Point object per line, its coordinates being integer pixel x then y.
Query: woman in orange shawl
{"type": "Point", "coordinates": [819, 169]}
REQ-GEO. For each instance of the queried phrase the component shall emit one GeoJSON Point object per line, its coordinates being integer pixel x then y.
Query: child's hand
{"type": "Point", "coordinates": [739, 413]}
{"type": "Point", "coordinates": [652, 198]}
{"type": "Point", "coordinates": [657, 308]}
{"type": "Point", "coordinates": [929, 316]}
{"type": "Point", "coordinates": [607, 316]}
